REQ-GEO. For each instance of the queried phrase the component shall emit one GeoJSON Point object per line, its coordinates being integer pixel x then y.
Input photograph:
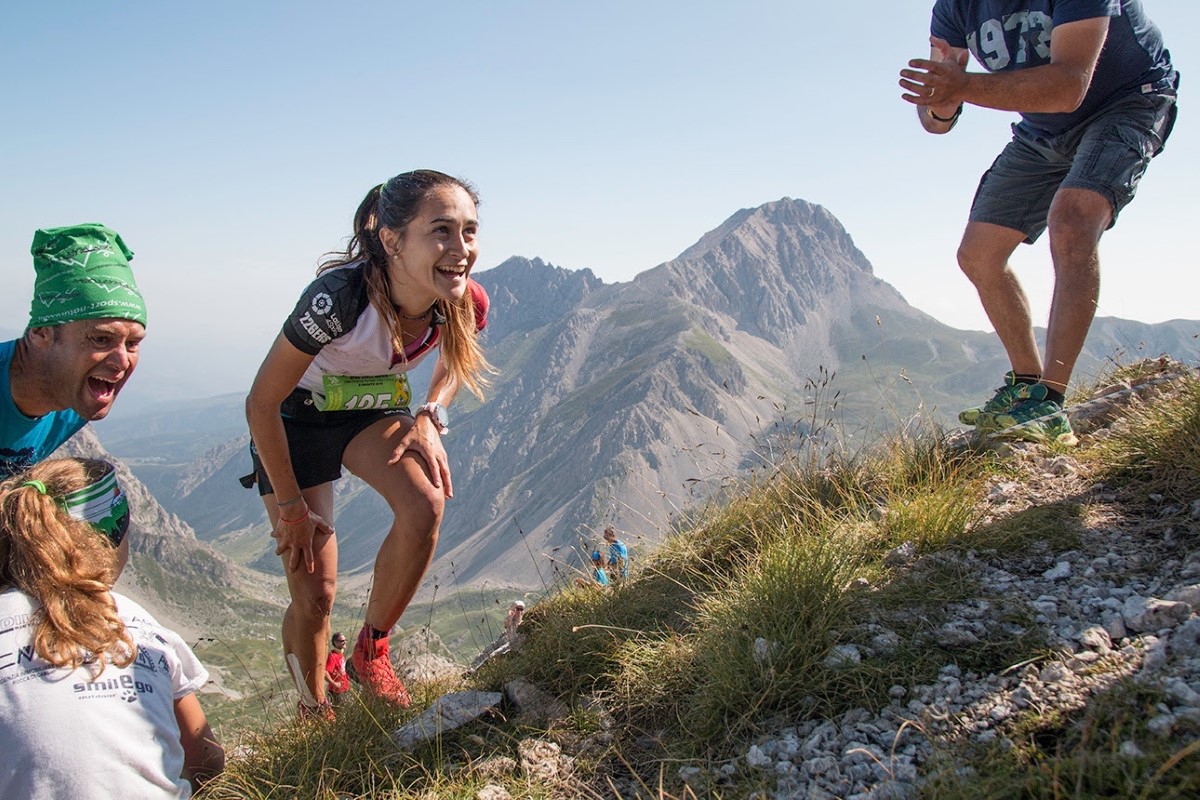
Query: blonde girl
{"type": "Point", "coordinates": [96, 698]}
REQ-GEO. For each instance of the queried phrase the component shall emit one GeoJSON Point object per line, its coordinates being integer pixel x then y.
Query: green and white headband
{"type": "Point", "coordinates": [102, 505]}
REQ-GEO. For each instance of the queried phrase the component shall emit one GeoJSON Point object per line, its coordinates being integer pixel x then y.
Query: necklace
{"type": "Point", "coordinates": [428, 311]}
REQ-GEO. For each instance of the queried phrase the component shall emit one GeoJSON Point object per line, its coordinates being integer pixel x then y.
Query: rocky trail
{"type": "Point", "coordinates": [1122, 602]}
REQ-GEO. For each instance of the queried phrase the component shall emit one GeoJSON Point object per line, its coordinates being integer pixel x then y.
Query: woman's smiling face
{"type": "Point", "coordinates": [432, 257]}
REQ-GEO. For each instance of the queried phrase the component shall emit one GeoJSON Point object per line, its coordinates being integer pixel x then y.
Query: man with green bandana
{"type": "Point", "coordinates": [80, 347]}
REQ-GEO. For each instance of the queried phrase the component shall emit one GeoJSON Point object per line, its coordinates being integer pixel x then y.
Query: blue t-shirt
{"type": "Point", "coordinates": [618, 556]}
{"type": "Point", "coordinates": [1015, 34]}
{"type": "Point", "coordinates": [24, 441]}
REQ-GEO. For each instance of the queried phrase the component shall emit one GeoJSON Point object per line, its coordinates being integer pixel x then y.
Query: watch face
{"type": "Point", "coordinates": [438, 412]}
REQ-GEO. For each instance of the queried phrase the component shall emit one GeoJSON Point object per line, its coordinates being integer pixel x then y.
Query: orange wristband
{"type": "Point", "coordinates": [294, 521]}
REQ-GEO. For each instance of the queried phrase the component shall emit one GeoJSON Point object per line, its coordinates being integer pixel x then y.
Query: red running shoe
{"type": "Point", "coordinates": [374, 668]}
{"type": "Point", "coordinates": [321, 713]}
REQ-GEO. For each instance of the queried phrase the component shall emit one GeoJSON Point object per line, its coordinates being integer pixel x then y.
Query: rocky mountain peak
{"type": "Point", "coordinates": [758, 231]}
{"type": "Point", "coordinates": [770, 268]}
{"type": "Point", "coordinates": [529, 293]}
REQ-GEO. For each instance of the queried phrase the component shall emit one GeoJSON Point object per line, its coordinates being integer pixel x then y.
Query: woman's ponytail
{"type": "Point", "coordinates": [64, 564]}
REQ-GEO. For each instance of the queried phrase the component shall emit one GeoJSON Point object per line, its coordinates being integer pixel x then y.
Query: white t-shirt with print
{"type": "Point", "coordinates": [73, 734]}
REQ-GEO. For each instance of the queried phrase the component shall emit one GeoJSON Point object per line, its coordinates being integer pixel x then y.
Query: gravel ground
{"type": "Point", "coordinates": [1123, 603]}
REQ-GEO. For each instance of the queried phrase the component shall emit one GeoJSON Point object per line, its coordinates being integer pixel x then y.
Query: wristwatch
{"type": "Point", "coordinates": [437, 412]}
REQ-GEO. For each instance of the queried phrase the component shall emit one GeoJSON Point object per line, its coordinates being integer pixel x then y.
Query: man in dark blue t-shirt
{"type": "Point", "coordinates": [1095, 89]}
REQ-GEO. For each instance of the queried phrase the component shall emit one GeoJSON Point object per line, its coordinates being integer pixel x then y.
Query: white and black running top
{"type": "Point", "coordinates": [336, 323]}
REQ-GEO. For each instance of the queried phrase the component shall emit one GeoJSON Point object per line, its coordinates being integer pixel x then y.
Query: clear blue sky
{"type": "Point", "coordinates": [230, 143]}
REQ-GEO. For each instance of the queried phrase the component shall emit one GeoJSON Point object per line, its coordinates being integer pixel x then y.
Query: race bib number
{"type": "Point", "coordinates": [355, 393]}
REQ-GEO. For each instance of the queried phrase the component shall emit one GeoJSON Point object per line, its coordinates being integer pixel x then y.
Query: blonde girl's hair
{"type": "Point", "coordinates": [393, 205]}
{"type": "Point", "coordinates": [63, 563]}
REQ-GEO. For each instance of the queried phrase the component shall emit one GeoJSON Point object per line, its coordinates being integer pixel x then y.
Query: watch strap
{"type": "Point", "coordinates": [437, 413]}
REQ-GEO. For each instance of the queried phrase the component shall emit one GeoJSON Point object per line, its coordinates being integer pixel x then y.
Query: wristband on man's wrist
{"type": "Point", "coordinates": [952, 118]}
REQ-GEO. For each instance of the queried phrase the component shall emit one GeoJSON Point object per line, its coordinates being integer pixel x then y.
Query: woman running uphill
{"type": "Point", "coordinates": [333, 391]}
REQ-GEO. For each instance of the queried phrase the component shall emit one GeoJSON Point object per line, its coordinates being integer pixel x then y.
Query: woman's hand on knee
{"type": "Point", "coordinates": [423, 440]}
{"type": "Point", "coordinates": [296, 539]}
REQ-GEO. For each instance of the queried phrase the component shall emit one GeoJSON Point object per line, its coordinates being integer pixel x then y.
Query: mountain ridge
{"type": "Point", "coordinates": [623, 403]}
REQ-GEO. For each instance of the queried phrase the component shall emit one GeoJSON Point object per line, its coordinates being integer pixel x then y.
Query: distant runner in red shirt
{"type": "Point", "coordinates": [337, 682]}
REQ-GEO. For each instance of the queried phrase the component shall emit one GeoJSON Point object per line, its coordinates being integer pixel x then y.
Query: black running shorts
{"type": "Point", "coordinates": [316, 440]}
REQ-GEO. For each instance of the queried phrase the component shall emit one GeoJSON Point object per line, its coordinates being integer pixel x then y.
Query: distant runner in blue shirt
{"type": "Point", "coordinates": [598, 573]}
{"type": "Point", "coordinates": [81, 344]}
{"type": "Point", "coordinates": [1096, 90]}
{"type": "Point", "coordinates": [618, 553]}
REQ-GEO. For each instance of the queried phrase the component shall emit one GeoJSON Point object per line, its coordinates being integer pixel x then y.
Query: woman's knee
{"type": "Point", "coordinates": [411, 495]}
{"type": "Point", "coordinates": [314, 600]}
{"type": "Point", "coordinates": [422, 507]}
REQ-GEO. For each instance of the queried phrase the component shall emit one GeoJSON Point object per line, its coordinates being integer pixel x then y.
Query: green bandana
{"type": "Point", "coordinates": [83, 273]}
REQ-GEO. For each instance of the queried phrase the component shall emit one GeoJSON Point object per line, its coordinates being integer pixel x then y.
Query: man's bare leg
{"type": "Point", "coordinates": [983, 256]}
{"type": "Point", "coordinates": [1078, 218]}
